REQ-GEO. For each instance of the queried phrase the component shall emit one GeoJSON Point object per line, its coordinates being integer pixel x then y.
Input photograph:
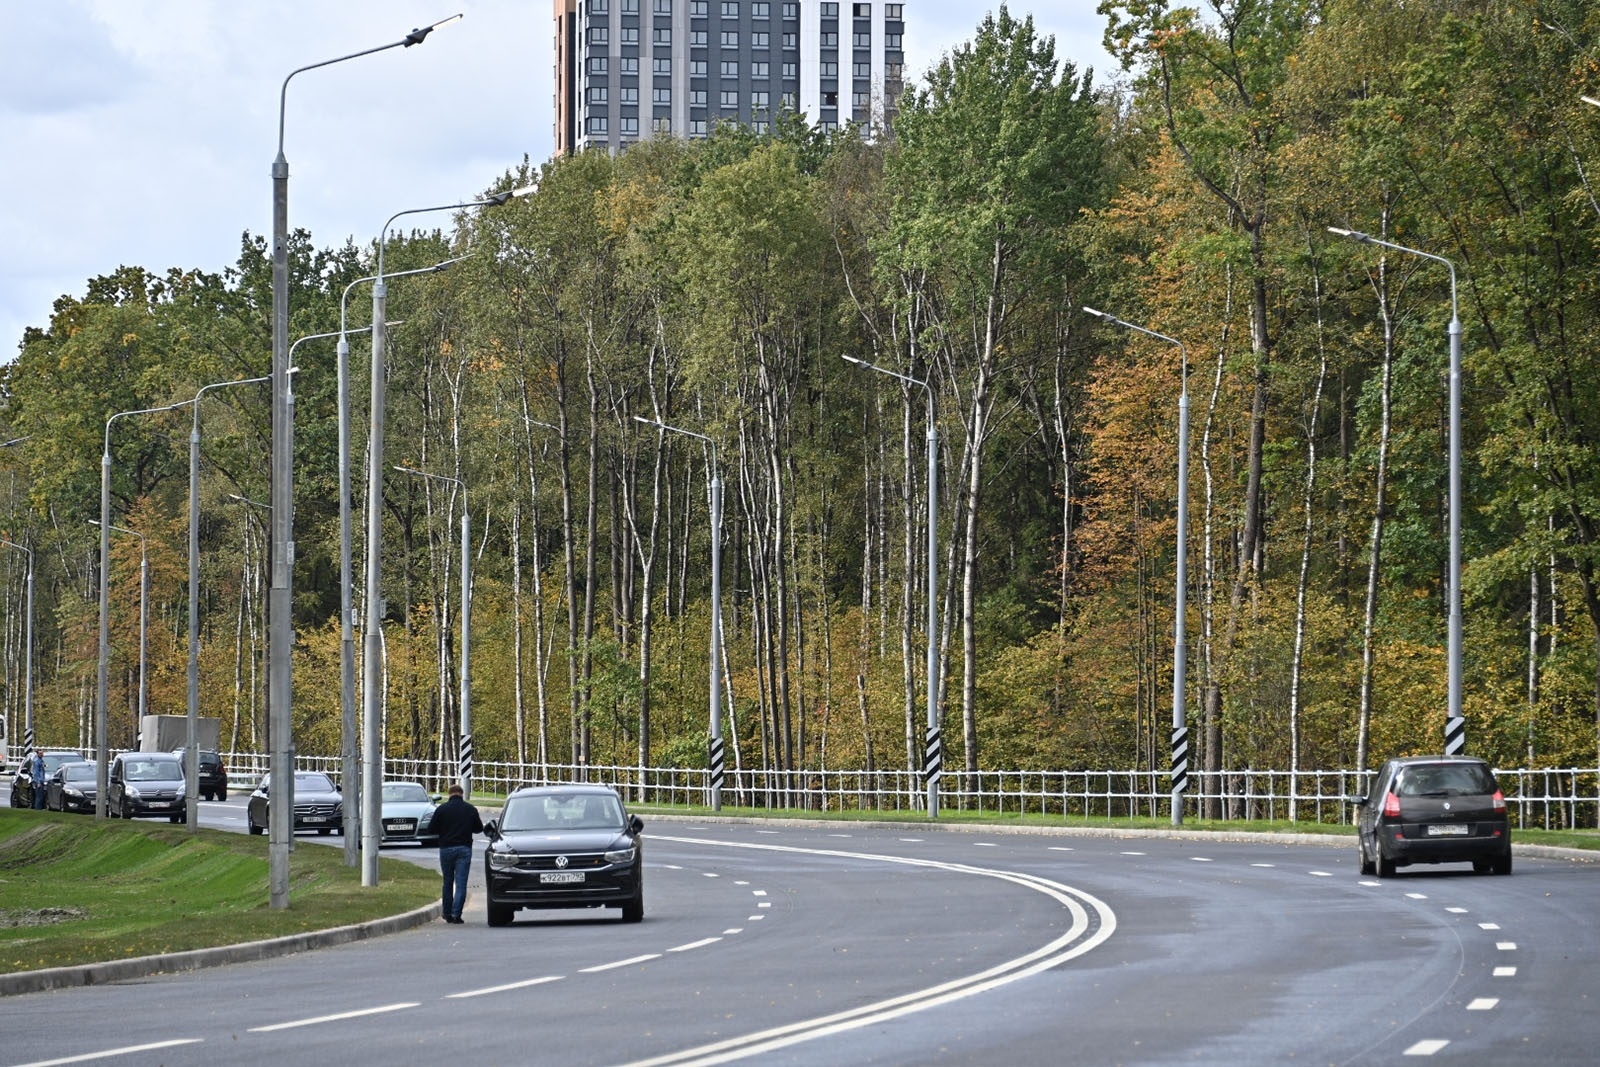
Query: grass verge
{"type": "Point", "coordinates": [77, 890]}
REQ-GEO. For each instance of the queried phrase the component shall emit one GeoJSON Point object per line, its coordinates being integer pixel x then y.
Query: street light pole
{"type": "Point", "coordinates": [1180, 596]}
{"type": "Point", "coordinates": [27, 646]}
{"type": "Point", "coordinates": [144, 619]}
{"type": "Point", "coordinates": [933, 760]}
{"type": "Point", "coordinates": [464, 749]}
{"type": "Point", "coordinates": [372, 638]}
{"type": "Point", "coordinates": [103, 679]}
{"type": "Point", "coordinates": [1455, 727]}
{"type": "Point", "coordinates": [280, 603]}
{"type": "Point", "coordinates": [718, 756]}
{"type": "Point", "coordinates": [191, 757]}
{"type": "Point", "coordinates": [349, 753]}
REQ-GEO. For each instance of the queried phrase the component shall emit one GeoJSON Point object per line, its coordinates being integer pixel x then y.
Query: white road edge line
{"type": "Point", "coordinates": [504, 988]}
{"type": "Point", "coordinates": [332, 1018]}
{"type": "Point", "coordinates": [702, 943]}
{"type": "Point", "coordinates": [1076, 941]}
{"type": "Point", "coordinates": [128, 1051]}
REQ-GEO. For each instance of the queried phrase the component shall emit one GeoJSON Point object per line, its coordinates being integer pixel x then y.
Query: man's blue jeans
{"type": "Point", "coordinates": [455, 863]}
{"type": "Point", "coordinates": [38, 795]}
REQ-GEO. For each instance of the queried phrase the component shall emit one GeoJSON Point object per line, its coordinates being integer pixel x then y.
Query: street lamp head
{"type": "Point", "coordinates": [497, 199]}
{"type": "Point", "coordinates": [1354, 235]}
{"type": "Point", "coordinates": [418, 36]}
{"type": "Point", "coordinates": [1591, 101]}
{"type": "Point", "coordinates": [1102, 315]}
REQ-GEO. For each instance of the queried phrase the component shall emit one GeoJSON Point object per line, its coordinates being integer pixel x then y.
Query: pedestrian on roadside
{"type": "Point", "coordinates": [455, 821]}
{"type": "Point", "coordinates": [36, 775]}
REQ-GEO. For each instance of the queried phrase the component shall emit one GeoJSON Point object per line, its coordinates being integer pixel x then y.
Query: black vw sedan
{"type": "Point", "coordinates": [564, 846]}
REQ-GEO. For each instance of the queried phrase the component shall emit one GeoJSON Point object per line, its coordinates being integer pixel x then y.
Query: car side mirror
{"type": "Point", "coordinates": [635, 824]}
{"type": "Point", "coordinates": [1359, 802]}
{"type": "Point", "coordinates": [437, 798]}
{"type": "Point", "coordinates": [491, 830]}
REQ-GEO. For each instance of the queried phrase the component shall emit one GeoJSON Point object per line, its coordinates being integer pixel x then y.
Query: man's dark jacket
{"type": "Point", "coordinates": [455, 821]}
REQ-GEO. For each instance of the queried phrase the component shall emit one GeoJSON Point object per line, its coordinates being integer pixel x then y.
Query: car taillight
{"type": "Point", "coordinates": [1499, 802]}
{"type": "Point", "coordinates": [1391, 806]}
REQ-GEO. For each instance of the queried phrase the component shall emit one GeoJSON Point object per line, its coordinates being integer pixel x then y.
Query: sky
{"type": "Point", "coordinates": [142, 132]}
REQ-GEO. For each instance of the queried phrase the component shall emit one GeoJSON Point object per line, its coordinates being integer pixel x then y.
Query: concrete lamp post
{"type": "Point", "coordinates": [102, 746]}
{"type": "Point", "coordinates": [1180, 592]}
{"type": "Point", "coordinates": [144, 619]}
{"type": "Point", "coordinates": [933, 759]}
{"type": "Point", "coordinates": [1455, 727]}
{"type": "Point", "coordinates": [27, 649]}
{"type": "Point", "coordinates": [372, 639]}
{"type": "Point", "coordinates": [464, 748]}
{"type": "Point", "coordinates": [718, 755]}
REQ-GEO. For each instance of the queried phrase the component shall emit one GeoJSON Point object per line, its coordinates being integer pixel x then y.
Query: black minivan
{"type": "Point", "coordinates": [1434, 809]}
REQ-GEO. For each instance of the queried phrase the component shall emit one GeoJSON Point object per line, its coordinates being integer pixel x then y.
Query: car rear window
{"type": "Point", "coordinates": [1446, 779]}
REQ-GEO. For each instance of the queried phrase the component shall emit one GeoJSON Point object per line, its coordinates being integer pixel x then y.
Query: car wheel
{"type": "Point", "coordinates": [633, 910]}
{"type": "Point", "coordinates": [500, 915]}
{"type": "Point", "coordinates": [1384, 865]}
{"type": "Point", "coordinates": [251, 823]}
{"type": "Point", "coordinates": [1367, 866]}
{"type": "Point", "coordinates": [1502, 863]}
{"type": "Point", "coordinates": [221, 794]}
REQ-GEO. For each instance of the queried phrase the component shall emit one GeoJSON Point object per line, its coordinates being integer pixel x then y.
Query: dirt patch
{"type": "Point", "coordinates": [41, 917]}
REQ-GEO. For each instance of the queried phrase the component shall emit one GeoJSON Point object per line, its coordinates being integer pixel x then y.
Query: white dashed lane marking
{"type": "Point", "coordinates": [1425, 1048]}
{"type": "Point", "coordinates": [1483, 1003]}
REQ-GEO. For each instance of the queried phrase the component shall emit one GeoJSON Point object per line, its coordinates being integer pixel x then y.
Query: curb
{"type": "Point", "coordinates": [172, 963]}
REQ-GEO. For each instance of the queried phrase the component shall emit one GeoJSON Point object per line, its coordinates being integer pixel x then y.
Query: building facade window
{"type": "Point", "coordinates": [791, 11]}
{"type": "Point", "coordinates": [828, 69]}
{"type": "Point", "coordinates": [597, 124]}
{"type": "Point", "coordinates": [697, 9]}
{"type": "Point", "coordinates": [730, 9]}
{"type": "Point", "coordinates": [661, 124]}
{"type": "Point", "coordinates": [791, 70]}
{"type": "Point", "coordinates": [630, 7]}
{"type": "Point", "coordinates": [629, 94]}
{"type": "Point", "coordinates": [629, 126]}
{"type": "Point", "coordinates": [697, 38]}
{"type": "Point", "coordinates": [697, 68]}
{"type": "Point", "coordinates": [760, 100]}
{"type": "Point", "coordinates": [598, 94]}
{"type": "Point", "coordinates": [697, 98]}
{"type": "Point", "coordinates": [791, 40]}
{"type": "Point", "coordinates": [861, 70]}
{"type": "Point", "coordinates": [863, 11]}
{"type": "Point", "coordinates": [697, 127]}
{"type": "Point", "coordinates": [761, 69]}
{"type": "Point", "coordinates": [828, 39]}
{"type": "Point", "coordinates": [760, 10]}
{"type": "Point", "coordinates": [661, 96]}
{"type": "Point", "coordinates": [597, 7]}
{"type": "Point", "coordinates": [663, 7]}
{"type": "Point", "coordinates": [730, 98]}
{"type": "Point", "coordinates": [661, 35]}
{"type": "Point", "coordinates": [597, 64]}
{"type": "Point", "coordinates": [860, 100]}
{"type": "Point", "coordinates": [893, 11]}
{"type": "Point", "coordinates": [629, 64]}
{"type": "Point", "coordinates": [891, 41]}
{"type": "Point", "coordinates": [661, 65]}
{"type": "Point", "coordinates": [730, 68]}
{"type": "Point", "coordinates": [630, 35]}
{"type": "Point", "coordinates": [830, 11]}
{"type": "Point", "coordinates": [790, 101]}
{"type": "Point", "coordinates": [730, 38]}
{"type": "Point", "coordinates": [862, 40]}
{"type": "Point", "coordinates": [759, 39]}
{"type": "Point", "coordinates": [599, 35]}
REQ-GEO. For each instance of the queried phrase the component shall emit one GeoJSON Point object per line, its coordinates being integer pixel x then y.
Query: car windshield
{"type": "Point", "coordinates": [404, 793]}
{"type": "Point", "coordinates": [152, 770]}
{"type": "Point", "coordinates": [313, 783]}
{"type": "Point", "coordinates": [1446, 780]}
{"type": "Point", "coordinates": [562, 811]}
{"type": "Point", "coordinates": [77, 772]}
{"type": "Point", "coordinates": [53, 760]}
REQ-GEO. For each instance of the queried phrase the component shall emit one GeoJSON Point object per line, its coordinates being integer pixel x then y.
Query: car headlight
{"type": "Point", "coordinates": [502, 858]}
{"type": "Point", "coordinates": [132, 792]}
{"type": "Point", "coordinates": [75, 793]}
{"type": "Point", "coordinates": [622, 855]}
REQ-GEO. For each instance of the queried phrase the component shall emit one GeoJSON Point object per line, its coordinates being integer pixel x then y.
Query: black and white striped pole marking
{"type": "Point", "coordinates": [932, 766]}
{"type": "Point", "coordinates": [719, 769]}
{"type": "Point", "coordinates": [1180, 769]}
{"type": "Point", "coordinates": [1455, 735]}
{"type": "Point", "coordinates": [464, 768]}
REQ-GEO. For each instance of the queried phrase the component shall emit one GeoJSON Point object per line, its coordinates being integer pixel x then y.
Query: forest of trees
{"type": "Point", "coordinates": [716, 285]}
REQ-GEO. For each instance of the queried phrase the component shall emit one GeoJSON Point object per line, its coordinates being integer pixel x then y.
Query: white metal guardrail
{"type": "Point", "coordinates": [1546, 798]}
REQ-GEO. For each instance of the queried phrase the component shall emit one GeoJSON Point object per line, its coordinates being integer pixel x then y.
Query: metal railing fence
{"type": "Point", "coordinates": [1552, 798]}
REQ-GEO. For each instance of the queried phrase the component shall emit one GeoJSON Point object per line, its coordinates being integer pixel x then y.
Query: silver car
{"type": "Point", "coordinates": [407, 814]}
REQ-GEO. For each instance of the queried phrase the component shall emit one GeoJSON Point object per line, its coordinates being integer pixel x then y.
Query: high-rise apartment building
{"type": "Point", "coordinates": [630, 69]}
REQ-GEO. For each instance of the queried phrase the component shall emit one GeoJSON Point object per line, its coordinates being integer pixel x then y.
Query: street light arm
{"type": "Point", "coordinates": [414, 37]}
{"type": "Point", "coordinates": [496, 200]}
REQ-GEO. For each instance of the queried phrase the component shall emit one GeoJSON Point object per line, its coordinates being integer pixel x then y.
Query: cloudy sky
{"type": "Point", "coordinates": [142, 132]}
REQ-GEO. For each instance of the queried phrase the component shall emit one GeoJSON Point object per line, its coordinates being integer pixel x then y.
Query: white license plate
{"type": "Point", "coordinates": [314, 818]}
{"type": "Point", "coordinates": [560, 877]}
{"type": "Point", "coordinates": [160, 804]}
{"type": "Point", "coordinates": [1448, 830]}
{"type": "Point", "coordinates": [401, 827]}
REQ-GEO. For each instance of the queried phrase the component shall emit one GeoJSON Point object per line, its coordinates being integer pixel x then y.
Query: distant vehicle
{"type": "Point", "coordinates": [408, 813]}
{"type": "Point", "coordinates": [213, 777]}
{"type": "Point", "coordinates": [72, 787]}
{"type": "Point", "coordinates": [317, 804]}
{"type": "Point", "coordinates": [146, 785]}
{"type": "Point", "coordinates": [22, 784]}
{"type": "Point", "coordinates": [564, 846]}
{"type": "Point", "coordinates": [1434, 809]}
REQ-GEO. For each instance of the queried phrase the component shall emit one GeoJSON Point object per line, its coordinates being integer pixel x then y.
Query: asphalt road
{"type": "Point", "coordinates": [777, 943]}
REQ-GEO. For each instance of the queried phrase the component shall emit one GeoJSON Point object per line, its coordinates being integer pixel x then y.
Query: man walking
{"type": "Point", "coordinates": [455, 821]}
{"type": "Point", "coordinates": [36, 777]}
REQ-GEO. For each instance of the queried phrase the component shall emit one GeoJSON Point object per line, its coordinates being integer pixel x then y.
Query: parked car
{"type": "Point", "coordinates": [72, 787]}
{"type": "Point", "coordinates": [408, 813]}
{"type": "Point", "coordinates": [564, 846]}
{"type": "Point", "coordinates": [145, 785]}
{"type": "Point", "coordinates": [212, 781]}
{"type": "Point", "coordinates": [1434, 809]}
{"type": "Point", "coordinates": [22, 784]}
{"type": "Point", "coordinates": [317, 804]}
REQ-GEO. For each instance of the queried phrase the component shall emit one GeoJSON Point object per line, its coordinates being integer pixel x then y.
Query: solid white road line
{"type": "Point", "coordinates": [622, 963]}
